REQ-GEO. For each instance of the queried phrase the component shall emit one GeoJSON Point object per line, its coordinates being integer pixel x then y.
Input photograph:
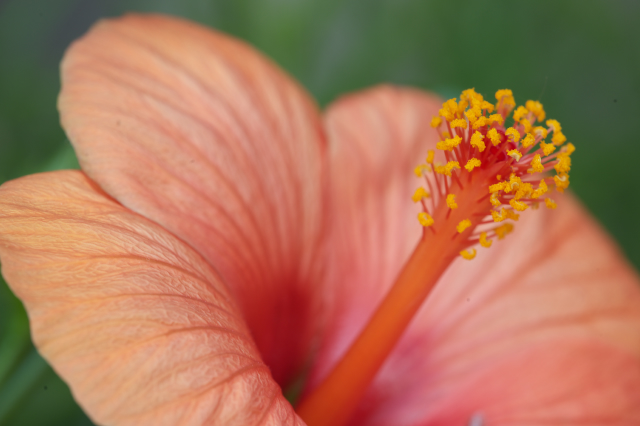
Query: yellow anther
{"type": "Point", "coordinates": [564, 163]}
{"type": "Point", "coordinates": [480, 122]}
{"type": "Point", "coordinates": [473, 162]}
{"type": "Point", "coordinates": [462, 105]}
{"type": "Point", "coordinates": [450, 166]}
{"type": "Point", "coordinates": [503, 230]}
{"type": "Point", "coordinates": [488, 106]}
{"type": "Point", "coordinates": [505, 99]}
{"type": "Point", "coordinates": [452, 106]}
{"type": "Point", "coordinates": [442, 145]}
{"type": "Point", "coordinates": [510, 214]}
{"type": "Point", "coordinates": [436, 122]}
{"type": "Point", "coordinates": [498, 186]}
{"type": "Point", "coordinates": [468, 254]}
{"type": "Point", "coordinates": [425, 219]}
{"type": "Point", "coordinates": [519, 113]}
{"type": "Point", "coordinates": [558, 138]}
{"type": "Point", "coordinates": [550, 203]}
{"type": "Point", "coordinates": [499, 216]}
{"type": "Point", "coordinates": [451, 201]}
{"type": "Point", "coordinates": [536, 108]}
{"type": "Point", "coordinates": [446, 134]}
{"type": "Point", "coordinates": [547, 148]}
{"type": "Point", "coordinates": [554, 125]}
{"type": "Point", "coordinates": [477, 140]}
{"type": "Point", "coordinates": [524, 191]}
{"type": "Point", "coordinates": [513, 184]}
{"type": "Point", "coordinates": [495, 118]}
{"type": "Point", "coordinates": [472, 96]}
{"type": "Point", "coordinates": [420, 194]}
{"type": "Point", "coordinates": [536, 165]}
{"type": "Point", "coordinates": [494, 136]}
{"type": "Point", "coordinates": [449, 144]}
{"type": "Point", "coordinates": [494, 200]}
{"type": "Point", "coordinates": [542, 189]}
{"type": "Point", "coordinates": [540, 131]}
{"type": "Point", "coordinates": [464, 224]}
{"type": "Point", "coordinates": [449, 110]}
{"type": "Point", "coordinates": [421, 170]}
{"type": "Point", "coordinates": [430, 155]}
{"type": "Point", "coordinates": [526, 124]}
{"type": "Point", "coordinates": [518, 205]}
{"type": "Point", "coordinates": [440, 169]}
{"type": "Point", "coordinates": [515, 154]}
{"type": "Point", "coordinates": [460, 122]}
{"type": "Point", "coordinates": [569, 148]}
{"type": "Point", "coordinates": [562, 181]}
{"type": "Point", "coordinates": [514, 133]}
{"type": "Point", "coordinates": [473, 114]}
{"type": "Point", "coordinates": [528, 140]}
{"type": "Point", "coordinates": [483, 240]}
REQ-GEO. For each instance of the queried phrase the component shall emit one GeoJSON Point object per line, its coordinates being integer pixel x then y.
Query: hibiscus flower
{"type": "Point", "coordinates": [225, 240]}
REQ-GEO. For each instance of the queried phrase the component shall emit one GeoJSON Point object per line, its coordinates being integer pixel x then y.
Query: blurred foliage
{"type": "Point", "coordinates": [580, 58]}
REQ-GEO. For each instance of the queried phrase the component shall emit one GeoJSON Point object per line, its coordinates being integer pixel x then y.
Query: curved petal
{"type": "Point", "coordinates": [201, 134]}
{"type": "Point", "coordinates": [539, 329]}
{"type": "Point", "coordinates": [131, 317]}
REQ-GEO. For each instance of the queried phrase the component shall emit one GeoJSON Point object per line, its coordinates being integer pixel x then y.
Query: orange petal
{"type": "Point", "coordinates": [201, 134]}
{"type": "Point", "coordinates": [138, 324]}
{"type": "Point", "coordinates": [540, 329]}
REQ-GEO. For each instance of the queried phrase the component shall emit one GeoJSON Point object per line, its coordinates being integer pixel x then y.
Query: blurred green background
{"type": "Point", "coordinates": [580, 58]}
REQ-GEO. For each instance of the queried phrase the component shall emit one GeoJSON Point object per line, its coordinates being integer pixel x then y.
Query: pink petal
{"type": "Point", "coordinates": [542, 328]}
{"type": "Point", "coordinates": [138, 324]}
{"type": "Point", "coordinates": [201, 134]}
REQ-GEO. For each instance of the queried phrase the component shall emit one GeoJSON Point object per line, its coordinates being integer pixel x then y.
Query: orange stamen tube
{"type": "Point", "coordinates": [497, 180]}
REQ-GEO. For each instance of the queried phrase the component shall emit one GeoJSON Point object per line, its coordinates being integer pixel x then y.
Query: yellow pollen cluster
{"type": "Point", "coordinates": [513, 133]}
{"type": "Point", "coordinates": [505, 100]}
{"type": "Point", "coordinates": [461, 123]}
{"type": "Point", "coordinates": [547, 148]}
{"type": "Point", "coordinates": [421, 170]}
{"type": "Point", "coordinates": [425, 219]}
{"type": "Point", "coordinates": [536, 109]}
{"type": "Point", "coordinates": [494, 136]}
{"type": "Point", "coordinates": [536, 165]}
{"type": "Point", "coordinates": [420, 195]}
{"type": "Point", "coordinates": [483, 240]}
{"type": "Point", "coordinates": [464, 224]}
{"type": "Point", "coordinates": [449, 144]}
{"type": "Point", "coordinates": [528, 140]}
{"type": "Point", "coordinates": [515, 154]}
{"type": "Point", "coordinates": [472, 163]}
{"type": "Point", "coordinates": [514, 165]}
{"type": "Point", "coordinates": [450, 166]}
{"type": "Point", "coordinates": [477, 141]}
{"type": "Point", "coordinates": [430, 155]}
{"type": "Point", "coordinates": [451, 201]}
{"type": "Point", "coordinates": [504, 214]}
{"type": "Point", "coordinates": [502, 231]}
{"type": "Point", "coordinates": [466, 254]}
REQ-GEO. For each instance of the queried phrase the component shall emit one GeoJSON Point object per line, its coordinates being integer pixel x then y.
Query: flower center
{"type": "Point", "coordinates": [482, 174]}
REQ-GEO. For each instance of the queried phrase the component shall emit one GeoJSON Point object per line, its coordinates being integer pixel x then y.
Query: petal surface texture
{"type": "Point", "coordinates": [138, 324]}
{"type": "Point", "coordinates": [201, 134]}
{"type": "Point", "coordinates": [540, 329]}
